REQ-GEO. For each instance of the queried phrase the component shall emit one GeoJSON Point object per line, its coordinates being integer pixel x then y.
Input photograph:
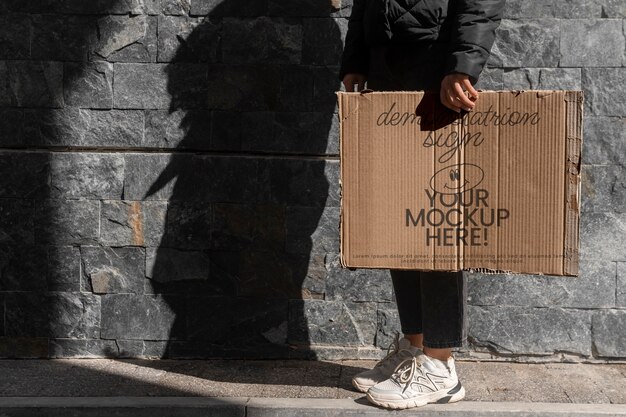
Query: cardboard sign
{"type": "Point", "coordinates": [494, 189]}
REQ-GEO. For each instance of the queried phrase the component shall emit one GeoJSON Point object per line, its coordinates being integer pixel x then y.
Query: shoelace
{"type": "Point", "coordinates": [395, 344]}
{"type": "Point", "coordinates": [404, 374]}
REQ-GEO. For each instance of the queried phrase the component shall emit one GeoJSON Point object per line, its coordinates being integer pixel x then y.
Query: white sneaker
{"type": "Point", "coordinates": [418, 381]}
{"type": "Point", "coordinates": [402, 350]}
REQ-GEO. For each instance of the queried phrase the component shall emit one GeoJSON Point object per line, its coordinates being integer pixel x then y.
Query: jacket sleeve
{"type": "Point", "coordinates": [473, 34]}
{"type": "Point", "coordinates": [355, 57]}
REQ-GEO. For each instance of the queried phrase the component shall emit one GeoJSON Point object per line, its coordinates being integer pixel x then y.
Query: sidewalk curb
{"type": "Point", "coordinates": [280, 407]}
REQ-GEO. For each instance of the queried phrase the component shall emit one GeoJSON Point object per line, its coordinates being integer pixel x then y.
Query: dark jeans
{"type": "Point", "coordinates": [432, 303]}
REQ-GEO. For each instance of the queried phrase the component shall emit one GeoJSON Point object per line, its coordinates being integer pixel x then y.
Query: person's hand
{"type": "Point", "coordinates": [353, 79]}
{"type": "Point", "coordinates": [452, 94]}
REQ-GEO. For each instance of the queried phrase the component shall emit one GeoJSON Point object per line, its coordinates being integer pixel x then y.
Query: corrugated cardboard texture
{"type": "Point", "coordinates": [494, 189]}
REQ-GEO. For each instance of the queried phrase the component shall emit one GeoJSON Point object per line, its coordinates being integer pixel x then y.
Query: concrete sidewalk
{"type": "Point", "coordinates": [256, 387]}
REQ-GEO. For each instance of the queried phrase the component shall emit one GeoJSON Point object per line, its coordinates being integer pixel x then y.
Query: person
{"type": "Point", "coordinates": [438, 46]}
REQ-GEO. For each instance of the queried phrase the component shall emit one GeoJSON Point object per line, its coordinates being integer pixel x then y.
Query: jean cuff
{"type": "Point", "coordinates": [412, 331]}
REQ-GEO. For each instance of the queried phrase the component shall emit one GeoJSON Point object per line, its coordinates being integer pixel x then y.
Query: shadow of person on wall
{"type": "Point", "coordinates": [247, 183]}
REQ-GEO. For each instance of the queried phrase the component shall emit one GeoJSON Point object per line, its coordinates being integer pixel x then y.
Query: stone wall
{"type": "Point", "coordinates": [170, 188]}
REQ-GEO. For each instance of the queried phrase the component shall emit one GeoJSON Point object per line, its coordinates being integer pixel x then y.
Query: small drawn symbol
{"type": "Point", "coordinates": [448, 179]}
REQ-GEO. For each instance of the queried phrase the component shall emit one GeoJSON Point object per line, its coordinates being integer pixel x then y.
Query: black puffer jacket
{"type": "Point", "coordinates": [464, 28]}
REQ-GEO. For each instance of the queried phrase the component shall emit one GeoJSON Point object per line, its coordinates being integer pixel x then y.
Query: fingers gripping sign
{"type": "Point", "coordinates": [354, 82]}
{"type": "Point", "coordinates": [454, 92]}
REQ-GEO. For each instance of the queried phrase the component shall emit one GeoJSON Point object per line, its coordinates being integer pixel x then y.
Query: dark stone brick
{"type": "Point", "coordinates": [598, 85]}
{"type": "Point", "coordinates": [62, 37]}
{"type": "Point", "coordinates": [243, 88]}
{"type": "Point", "coordinates": [309, 274]}
{"type": "Point", "coordinates": [366, 319]}
{"type": "Point", "coordinates": [84, 348]}
{"type": "Point", "coordinates": [188, 39]}
{"type": "Point", "coordinates": [301, 133]}
{"type": "Point", "coordinates": [142, 348]}
{"type": "Point", "coordinates": [107, 7]}
{"type": "Point", "coordinates": [235, 8]}
{"type": "Point", "coordinates": [315, 8]}
{"type": "Point", "coordinates": [516, 9]}
{"type": "Point", "coordinates": [203, 7]}
{"type": "Point", "coordinates": [296, 182]}
{"type": "Point", "coordinates": [165, 265]}
{"type": "Point", "coordinates": [490, 79]}
{"type": "Point", "coordinates": [519, 9]}
{"type": "Point", "coordinates": [296, 90]}
{"type": "Point", "coordinates": [114, 270]}
{"type": "Point", "coordinates": [312, 229]}
{"type": "Point", "coordinates": [31, 84]}
{"type": "Point", "coordinates": [603, 188]}
{"type": "Point", "coordinates": [74, 315]}
{"type": "Point", "coordinates": [27, 314]}
{"type": "Point", "coordinates": [16, 221]}
{"type": "Point", "coordinates": [545, 330]}
{"type": "Point", "coordinates": [63, 268]}
{"type": "Point", "coordinates": [604, 140]}
{"type": "Point", "coordinates": [189, 225]}
{"type": "Point", "coordinates": [580, 39]}
{"type": "Point", "coordinates": [126, 39]}
{"type": "Point", "coordinates": [267, 274]}
{"type": "Point", "coordinates": [148, 176]}
{"type": "Point", "coordinates": [181, 129]}
{"type": "Point", "coordinates": [325, 84]}
{"type": "Point", "coordinates": [321, 322]}
{"type": "Point", "coordinates": [34, 6]}
{"type": "Point", "coordinates": [137, 317]}
{"type": "Point", "coordinates": [174, 271]}
{"type": "Point", "coordinates": [512, 48]}
{"type": "Point", "coordinates": [359, 285]}
{"type": "Point", "coordinates": [598, 234]}
{"type": "Point", "coordinates": [268, 40]}
{"type": "Point", "coordinates": [323, 41]}
{"type": "Point", "coordinates": [244, 131]}
{"type": "Point", "coordinates": [175, 7]}
{"type": "Point", "coordinates": [67, 222]}
{"type": "Point", "coordinates": [132, 223]}
{"type": "Point", "coordinates": [609, 330]}
{"type": "Point", "coordinates": [128, 6]}
{"type": "Point", "coordinates": [23, 347]}
{"type": "Point", "coordinates": [199, 178]}
{"type": "Point", "coordinates": [140, 86]}
{"type": "Point", "coordinates": [24, 174]}
{"type": "Point", "coordinates": [620, 292]}
{"type": "Point", "coordinates": [613, 8]}
{"type": "Point", "coordinates": [253, 322]}
{"type": "Point", "coordinates": [15, 36]}
{"type": "Point", "coordinates": [159, 86]}
{"type": "Point", "coordinates": [543, 79]}
{"type": "Point", "coordinates": [388, 324]}
{"type": "Point", "coordinates": [221, 179]}
{"type": "Point", "coordinates": [11, 127]}
{"type": "Point", "coordinates": [243, 227]}
{"type": "Point", "coordinates": [22, 267]}
{"type": "Point", "coordinates": [593, 288]}
{"type": "Point", "coordinates": [83, 127]}
{"type": "Point", "coordinates": [89, 175]}
{"type": "Point", "coordinates": [88, 85]}
{"type": "Point", "coordinates": [85, 7]}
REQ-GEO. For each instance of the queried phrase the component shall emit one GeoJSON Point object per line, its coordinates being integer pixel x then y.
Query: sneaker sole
{"type": "Point", "coordinates": [440, 397]}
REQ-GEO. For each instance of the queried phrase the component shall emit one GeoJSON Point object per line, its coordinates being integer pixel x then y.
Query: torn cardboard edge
{"type": "Point", "coordinates": [573, 133]}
